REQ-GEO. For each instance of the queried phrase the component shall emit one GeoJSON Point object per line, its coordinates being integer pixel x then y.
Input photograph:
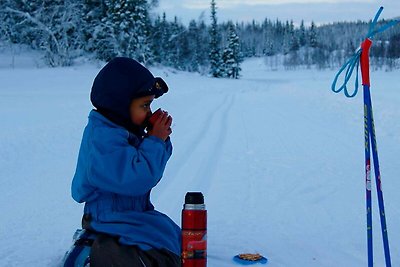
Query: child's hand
{"type": "Point", "coordinates": [162, 126]}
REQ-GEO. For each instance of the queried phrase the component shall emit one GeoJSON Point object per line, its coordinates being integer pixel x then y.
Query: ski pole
{"type": "Point", "coordinates": [370, 143]}
{"type": "Point", "coordinates": [362, 56]}
{"type": "Point", "coordinates": [368, 185]}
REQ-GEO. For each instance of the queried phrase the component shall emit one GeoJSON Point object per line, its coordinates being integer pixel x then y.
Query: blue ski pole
{"type": "Point", "coordinates": [370, 143]}
{"type": "Point", "coordinates": [362, 56]}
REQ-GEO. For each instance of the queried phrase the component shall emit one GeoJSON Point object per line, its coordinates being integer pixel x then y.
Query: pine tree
{"type": "Point", "coordinates": [313, 36]}
{"type": "Point", "coordinates": [140, 40]}
{"type": "Point", "coordinates": [203, 47]}
{"type": "Point", "coordinates": [215, 54]}
{"type": "Point", "coordinates": [350, 48]}
{"type": "Point", "coordinates": [105, 39]}
{"type": "Point", "coordinates": [270, 49]}
{"type": "Point", "coordinates": [64, 29]}
{"type": "Point", "coordinates": [393, 52]}
{"type": "Point", "coordinates": [302, 37]}
{"type": "Point", "coordinates": [293, 59]}
{"type": "Point", "coordinates": [93, 13]}
{"type": "Point", "coordinates": [231, 55]}
{"type": "Point", "coordinates": [125, 30]}
{"type": "Point", "coordinates": [164, 44]}
{"type": "Point", "coordinates": [193, 31]}
{"type": "Point", "coordinates": [181, 44]}
{"type": "Point", "coordinates": [294, 39]}
{"type": "Point", "coordinates": [174, 44]}
{"type": "Point", "coordinates": [156, 40]}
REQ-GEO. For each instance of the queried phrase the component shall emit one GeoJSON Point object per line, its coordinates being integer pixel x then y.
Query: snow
{"type": "Point", "coordinates": [278, 156]}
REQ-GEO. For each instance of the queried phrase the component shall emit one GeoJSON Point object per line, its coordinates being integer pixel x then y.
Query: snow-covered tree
{"type": "Point", "coordinates": [66, 29]}
{"type": "Point", "coordinates": [8, 30]}
{"type": "Point", "coordinates": [124, 31]}
{"type": "Point", "coordinates": [232, 56]}
{"type": "Point", "coordinates": [194, 31]}
{"type": "Point", "coordinates": [51, 26]}
{"type": "Point", "coordinates": [93, 13]}
{"type": "Point", "coordinates": [393, 52]}
{"type": "Point", "coordinates": [313, 36]}
{"type": "Point", "coordinates": [141, 44]}
{"type": "Point", "coordinates": [161, 46]}
{"type": "Point", "coordinates": [215, 51]}
{"type": "Point", "coordinates": [178, 45]}
{"type": "Point", "coordinates": [156, 39]}
{"type": "Point", "coordinates": [293, 38]}
{"type": "Point", "coordinates": [302, 35]}
{"type": "Point", "coordinates": [203, 47]}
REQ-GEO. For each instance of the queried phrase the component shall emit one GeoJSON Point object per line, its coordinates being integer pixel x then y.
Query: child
{"type": "Point", "coordinates": [119, 164]}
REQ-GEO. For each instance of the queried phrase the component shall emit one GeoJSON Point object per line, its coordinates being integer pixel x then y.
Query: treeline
{"type": "Point", "coordinates": [68, 29]}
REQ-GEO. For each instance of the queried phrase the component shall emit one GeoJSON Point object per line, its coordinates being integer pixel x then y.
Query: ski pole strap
{"type": "Point", "coordinates": [353, 62]}
{"type": "Point", "coordinates": [372, 31]}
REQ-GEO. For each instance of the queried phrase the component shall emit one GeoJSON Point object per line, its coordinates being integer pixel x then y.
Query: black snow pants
{"type": "Point", "coordinates": [106, 252]}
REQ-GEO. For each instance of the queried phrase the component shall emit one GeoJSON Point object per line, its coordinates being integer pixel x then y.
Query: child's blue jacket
{"type": "Point", "coordinates": [114, 176]}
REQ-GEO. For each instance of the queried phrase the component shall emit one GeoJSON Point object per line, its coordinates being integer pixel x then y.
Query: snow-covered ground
{"type": "Point", "coordinates": [278, 156]}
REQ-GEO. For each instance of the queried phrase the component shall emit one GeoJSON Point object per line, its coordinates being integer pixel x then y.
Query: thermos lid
{"type": "Point", "coordinates": [194, 198]}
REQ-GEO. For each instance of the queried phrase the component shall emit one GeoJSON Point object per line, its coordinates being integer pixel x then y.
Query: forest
{"type": "Point", "coordinates": [64, 30]}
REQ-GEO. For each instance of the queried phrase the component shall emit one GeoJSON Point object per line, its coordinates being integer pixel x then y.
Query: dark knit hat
{"type": "Point", "coordinates": [118, 83]}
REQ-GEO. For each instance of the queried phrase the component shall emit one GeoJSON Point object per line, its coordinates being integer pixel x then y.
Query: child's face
{"type": "Point", "coordinates": [140, 109]}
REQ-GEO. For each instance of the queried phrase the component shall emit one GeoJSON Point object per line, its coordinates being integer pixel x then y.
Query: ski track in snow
{"type": "Point", "coordinates": [278, 156]}
{"type": "Point", "coordinates": [185, 162]}
{"type": "Point", "coordinates": [215, 141]}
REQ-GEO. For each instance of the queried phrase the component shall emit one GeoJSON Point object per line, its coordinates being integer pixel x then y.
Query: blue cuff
{"type": "Point", "coordinates": [156, 139]}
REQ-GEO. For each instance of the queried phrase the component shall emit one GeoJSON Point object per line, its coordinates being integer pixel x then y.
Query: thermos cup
{"type": "Point", "coordinates": [154, 117]}
{"type": "Point", "coordinates": [194, 231]}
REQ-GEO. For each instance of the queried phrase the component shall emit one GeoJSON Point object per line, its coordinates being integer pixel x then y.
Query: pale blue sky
{"type": "Point", "coordinates": [318, 10]}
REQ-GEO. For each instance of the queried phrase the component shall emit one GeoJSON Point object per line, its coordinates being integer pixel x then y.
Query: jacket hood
{"type": "Point", "coordinates": [117, 84]}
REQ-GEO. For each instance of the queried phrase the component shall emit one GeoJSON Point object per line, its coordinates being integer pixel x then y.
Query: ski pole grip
{"type": "Point", "coordinates": [365, 46]}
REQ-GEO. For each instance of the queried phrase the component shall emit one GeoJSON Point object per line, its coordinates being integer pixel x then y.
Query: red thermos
{"type": "Point", "coordinates": [194, 231]}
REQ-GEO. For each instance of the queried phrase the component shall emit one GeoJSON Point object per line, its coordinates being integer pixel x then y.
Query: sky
{"type": "Point", "coordinates": [319, 11]}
